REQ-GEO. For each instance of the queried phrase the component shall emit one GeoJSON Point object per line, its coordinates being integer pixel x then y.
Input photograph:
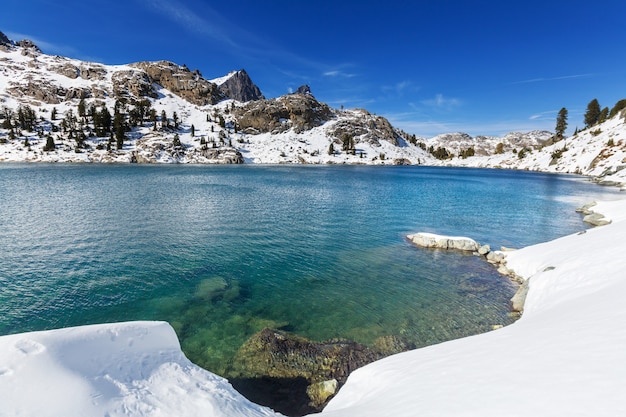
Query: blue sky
{"type": "Point", "coordinates": [481, 67]}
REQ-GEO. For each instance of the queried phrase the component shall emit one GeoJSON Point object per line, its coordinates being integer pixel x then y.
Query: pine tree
{"type": "Point", "coordinates": [592, 115]}
{"type": "Point", "coordinates": [604, 114]}
{"type": "Point", "coordinates": [82, 111]}
{"type": "Point", "coordinates": [49, 144]}
{"type": "Point", "coordinates": [561, 124]}
{"type": "Point", "coordinates": [193, 131]}
{"type": "Point", "coordinates": [164, 123]}
{"type": "Point", "coordinates": [620, 105]}
{"type": "Point", "coordinates": [118, 127]}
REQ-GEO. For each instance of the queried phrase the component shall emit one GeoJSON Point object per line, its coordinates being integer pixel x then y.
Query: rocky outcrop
{"type": "Point", "coordinates": [430, 240]}
{"type": "Point", "coordinates": [39, 90]}
{"type": "Point", "coordinates": [301, 369]}
{"type": "Point", "coordinates": [240, 87]}
{"type": "Point", "coordinates": [69, 70]}
{"type": "Point", "coordinates": [294, 111]}
{"type": "Point", "coordinates": [304, 90]}
{"type": "Point", "coordinates": [132, 83]}
{"type": "Point", "coordinates": [29, 47]}
{"type": "Point", "coordinates": [591, 217]}
{"type": "Point", "coordinates": [4, 40]}
{"type": "Point", "coordinates": [153, 148]}
{"type": "Point", "coordinates": [189, 85]}
{"type": "Point", "coordinates": [364, 128]}
{"type": "Point", "coordinates": [92, 72]}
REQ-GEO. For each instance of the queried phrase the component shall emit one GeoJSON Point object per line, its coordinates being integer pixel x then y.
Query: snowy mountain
{"type": "Point", "coordinates": [598, 152]}
{"type": "Point", "coordinates": [238, 86]}
{"type": "Point", "coordinates": [60, 109]}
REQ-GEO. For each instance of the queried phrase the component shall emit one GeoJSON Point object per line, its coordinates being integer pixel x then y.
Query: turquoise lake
{"type": "Point", "coordinates": [221, 252]}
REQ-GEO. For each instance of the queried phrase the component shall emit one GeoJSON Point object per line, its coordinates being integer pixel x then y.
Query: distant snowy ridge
{"type": "Point", "coordinates": [598, 152]}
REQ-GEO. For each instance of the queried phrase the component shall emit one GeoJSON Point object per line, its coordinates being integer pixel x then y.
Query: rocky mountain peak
{"type": "Point", "coordinates": [240, 87]}
{"type": "Point", "coordinates": [304, 90]}
{"type": "Point", "coordinates": [28, 44]}
{"type": "Point", "coordinates": [4, 40]}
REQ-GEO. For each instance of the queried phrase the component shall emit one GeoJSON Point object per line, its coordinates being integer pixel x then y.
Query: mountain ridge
{"type": "Point", "coordinates": [228, 120]}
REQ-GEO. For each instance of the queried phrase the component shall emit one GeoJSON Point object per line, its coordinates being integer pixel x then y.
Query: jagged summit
{"type": "Point", "coordinates": [239, 86]}
{"type": "Point", "coordinates": [4, 40]}
{"type": "Point", "coordinates": [304, 90]}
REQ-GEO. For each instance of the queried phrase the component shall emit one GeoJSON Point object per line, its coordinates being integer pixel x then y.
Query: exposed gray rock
{"type": "Point", "coordinates": [518, 300]}
{"type": "Point", "coordinates": [296, 111]}
{"type": "Point", "coordinates": [182, 82]}
{"type": "Point", "coordinates": [27, 44]}
{"type": "Point", "coordinates": [4, 40]}
{"type": "Point", "coordinates": [67, 69]}
{"type": "Point", "coordinates": [484, 250]}
{"type": "Point", "coordinates": [364, 127]}
{"type": "Point", "coordinates": [92, 72]}
{"type": "Point", "coordinates": [495, 257]}
{"type": "Point", "coordinates": [37, 89]}
{"type": "Point", "coordinates": [304, 90]}
{"type": "Point", "coordinates": [429, 240]}
{"type": "Point", "coordinates": [596, 219]}
{"type": "Point", "coordinates": [240, 87]}
{"type": "Point", "coordinates": [132, 83]}
{"type": "Point", "coordinates": [586, 209]}
{"type": "Point", "coordinates": [320, 392]}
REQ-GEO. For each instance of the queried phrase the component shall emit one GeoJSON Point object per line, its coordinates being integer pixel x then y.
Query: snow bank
{"type": "Point", "coordinates": [565, 356]}
{"type": "Point", "coordinates": [126, 369]}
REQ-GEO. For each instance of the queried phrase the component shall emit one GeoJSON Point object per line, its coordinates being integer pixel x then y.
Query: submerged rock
{"type": "Point", "coordinates": [298, 368]}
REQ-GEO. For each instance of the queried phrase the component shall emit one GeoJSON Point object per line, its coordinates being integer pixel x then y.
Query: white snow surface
{"type": "Point", "coordinates": [125, 369]}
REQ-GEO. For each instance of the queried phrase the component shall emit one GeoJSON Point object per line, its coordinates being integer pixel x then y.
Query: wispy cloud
{"type": "Point", "coordinates": [549, 114]}
{"type": "Point", "coordinates": [210, 24]}
{"type": "Point", "coordinates": [542, 79]}
{"type": "Point", "coordinates": [338, 73]}
{"type": "Point", "coordinates": [442, 103]}
{"type": "Point", "coordinates": [400, 88]}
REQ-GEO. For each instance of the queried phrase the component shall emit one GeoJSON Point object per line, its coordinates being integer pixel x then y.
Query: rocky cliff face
{"type": "Point", "coordinates": [295, 111]}
{"type": "Point", "coordinates": [189, 85]}
{"type": "Point", "coordinates": [4, 40]}
{"type": "Point", "coordinates": [240, 87]}
{"type": "Point", "coordinates": [364, 128]}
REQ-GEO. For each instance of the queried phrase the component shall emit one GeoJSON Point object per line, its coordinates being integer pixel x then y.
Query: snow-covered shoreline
{"type": "Point", "coordinates": [563, 357]}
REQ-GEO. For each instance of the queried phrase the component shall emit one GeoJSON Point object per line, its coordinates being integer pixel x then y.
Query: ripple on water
{"type": "Point", "coordinates": [222, 252]}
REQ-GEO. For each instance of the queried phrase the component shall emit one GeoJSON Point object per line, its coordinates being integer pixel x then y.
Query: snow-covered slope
{"type": "Point", "coordinates": [599, 152]}
{"type": "Point", "coordinates": [126, 369]}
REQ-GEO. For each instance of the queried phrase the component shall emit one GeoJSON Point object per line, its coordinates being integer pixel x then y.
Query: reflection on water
{"type": "Point", "coordinates": [222, 252]}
